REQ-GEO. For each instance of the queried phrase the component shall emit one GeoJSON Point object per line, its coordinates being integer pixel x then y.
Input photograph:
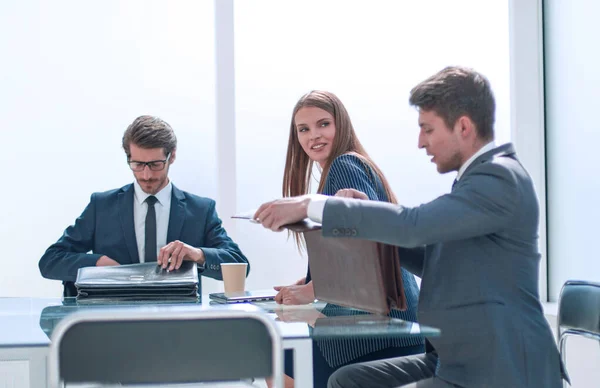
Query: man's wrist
{"type": "Point", "coordinates": [199, 257]}
{"type": "Point", "coordinates": [305, 203]}
{"type": "Point", "coordinates": [316, 206]}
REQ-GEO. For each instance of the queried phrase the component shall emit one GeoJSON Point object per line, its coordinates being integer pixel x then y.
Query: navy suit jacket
{"type": "Point", "coordinates": [106, 228]}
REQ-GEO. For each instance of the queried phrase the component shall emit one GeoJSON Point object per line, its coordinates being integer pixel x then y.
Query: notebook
{"type": "Point", "coordinates": [244, 297]}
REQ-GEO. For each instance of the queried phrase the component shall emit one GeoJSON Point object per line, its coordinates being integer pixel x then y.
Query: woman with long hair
{"type": "Point", "coordinates": [321, 132]}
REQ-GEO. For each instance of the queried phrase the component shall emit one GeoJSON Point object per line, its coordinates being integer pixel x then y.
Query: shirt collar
{"type": "Point", "coordinates": [162, 196]}
{"type": "Point", "coordinates": [488, 147]}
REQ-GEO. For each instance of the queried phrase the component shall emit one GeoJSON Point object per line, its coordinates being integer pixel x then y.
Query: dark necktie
{"type": "Point", "coordinates": [454, 184]}
{"type": "Point", "coordinates": [150, 237]}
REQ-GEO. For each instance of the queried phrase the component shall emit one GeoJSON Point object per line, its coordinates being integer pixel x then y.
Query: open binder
{"type": "Point", "coordinates": [137, 282]}
{"type": "Point", "coordinates": [355, 273]}
{"type": "Point", "coordinates": [352, 272]}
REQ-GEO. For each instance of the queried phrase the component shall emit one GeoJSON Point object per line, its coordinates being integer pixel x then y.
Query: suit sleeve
{"type": "Point", "coordinates": [483, 202]}
{"type": "Point", "coordinates": [349, 172]}
{"type": "Point", "coordinates": [219, 247]}
{"type": "Point", "coordinates": [63, 258]}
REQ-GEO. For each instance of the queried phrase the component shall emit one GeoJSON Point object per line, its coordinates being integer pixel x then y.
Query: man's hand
{"type": "Point", "coordinates": [351, 193]}
{"type": "Point", "coordinates": [174, 253]}
{"type": "Point", "coordinates": [105, 261]}
{"type": "Point", "coordinates": [273, 215]}
{"type": "Point", "coordinates": [295, 294]}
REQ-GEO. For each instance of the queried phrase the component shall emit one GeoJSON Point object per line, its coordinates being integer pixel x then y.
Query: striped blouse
{"type": "Point", "coordinates": [349, 171]}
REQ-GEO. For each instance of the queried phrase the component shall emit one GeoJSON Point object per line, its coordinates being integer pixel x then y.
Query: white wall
{"type": "Point", "coordinates": [73, 76]}
{"type": "Point", "coordinates": [370, 55]}
{"type": "Point", "coordinates": [572, 60]}
{"type": "Point", "coordinates": [527, 108]}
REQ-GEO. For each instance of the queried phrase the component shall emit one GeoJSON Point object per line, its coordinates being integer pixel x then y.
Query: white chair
{"type": "Point", "coordinates": [160, 347]}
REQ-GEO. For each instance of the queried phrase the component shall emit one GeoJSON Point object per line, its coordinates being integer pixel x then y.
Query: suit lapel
{"type": "Point", "coordinates": [177, 216]}
{"type": "Point", "coordinates": [126, 217]}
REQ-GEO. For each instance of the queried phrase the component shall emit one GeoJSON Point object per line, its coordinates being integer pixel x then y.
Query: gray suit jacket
{"type": "Point", "coordinates": [479, 273]}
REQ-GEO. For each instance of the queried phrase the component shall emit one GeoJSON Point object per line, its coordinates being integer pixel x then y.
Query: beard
{"type": "Point", "coordinates": [152, 186]}
{"type": "Point", "coordinates": [452, 164]}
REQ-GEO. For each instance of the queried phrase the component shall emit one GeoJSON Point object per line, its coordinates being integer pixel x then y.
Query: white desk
{"type": "Point", "coordinates": [26, 324]}
{"type": "Point", "coordinates": [24, 343]}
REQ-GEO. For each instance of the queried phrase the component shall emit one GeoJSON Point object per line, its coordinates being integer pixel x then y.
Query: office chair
{"type": "Point", "coordinates": [160, 347]}
{"type": "Point", "coordinates": [578, 313]}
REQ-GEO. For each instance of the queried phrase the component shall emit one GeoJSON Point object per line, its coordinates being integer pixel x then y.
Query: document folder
{"type": "Point", "coordinates": [351, 272]}
{"type": "Point", "coordinates": [355, 273]}
{"type": "Point", "coordinates": [137, 281]}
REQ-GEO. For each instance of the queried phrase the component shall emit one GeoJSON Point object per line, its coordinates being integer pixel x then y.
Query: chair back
{"type": "Point", "coordinates": [578, 314]}
{"type": "Point", "coordinates": [157, 346]}
{"type": "Point", "coordinates": [579, 307]}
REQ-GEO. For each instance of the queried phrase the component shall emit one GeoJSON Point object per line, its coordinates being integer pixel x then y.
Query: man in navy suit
{"type": "Point", "coordinates": [149, 220]}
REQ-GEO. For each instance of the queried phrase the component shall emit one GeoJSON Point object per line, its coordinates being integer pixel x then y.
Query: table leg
{"type": "Point", "coordinates": [303, 361]}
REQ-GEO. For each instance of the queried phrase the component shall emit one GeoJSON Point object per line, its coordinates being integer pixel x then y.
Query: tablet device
{"type": "Point", "coordinates": [243, 297]}
{"type": "Point", "coordinates": [305, 225]}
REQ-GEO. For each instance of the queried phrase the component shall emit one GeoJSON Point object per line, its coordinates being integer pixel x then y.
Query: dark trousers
{"type": "Point", "coordinates": [416, 371]}
{"type": "Point", "coordinates": [322, 370]}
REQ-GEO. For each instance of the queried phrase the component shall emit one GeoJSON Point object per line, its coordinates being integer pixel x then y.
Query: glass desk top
{"type": "Point", "coordinates": [30, 321]}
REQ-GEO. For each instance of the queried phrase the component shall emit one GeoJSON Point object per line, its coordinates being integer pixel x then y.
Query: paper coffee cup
{"type": "Point", "coordinates": [234, 277]}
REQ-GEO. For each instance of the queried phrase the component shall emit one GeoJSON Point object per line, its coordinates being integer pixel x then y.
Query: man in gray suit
{"type": "Point", "coordinates": [480, 264]}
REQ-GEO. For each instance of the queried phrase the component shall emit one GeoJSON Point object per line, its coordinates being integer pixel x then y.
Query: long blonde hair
{"type": "Point", "coordinates": [298, 166]}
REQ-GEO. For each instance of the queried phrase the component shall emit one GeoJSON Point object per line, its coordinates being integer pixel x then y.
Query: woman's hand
{"type": "Point", "coordinates": [351, 193]}
{"type": "Point", "coordinates": [301, 281]}
{"type": "Point", "coordinates": [295, 294]}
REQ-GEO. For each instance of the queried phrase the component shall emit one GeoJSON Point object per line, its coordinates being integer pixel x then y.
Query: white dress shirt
{"type": "Point", "coordinates": [488, 147]}
{"type": "Point", "coordinates": [162, 209]}
{"type": "Point", "coordinates": [316, 206]}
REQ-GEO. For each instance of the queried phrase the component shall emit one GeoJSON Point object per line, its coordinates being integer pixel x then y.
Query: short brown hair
{"type": "Point", "coordinates": [149, 132]}
{"type": "Point", "coordinates": [458, 91]}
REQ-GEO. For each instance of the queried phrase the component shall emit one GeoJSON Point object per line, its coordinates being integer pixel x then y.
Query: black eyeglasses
{"type": "Point", "coordinates": [153, 165]}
